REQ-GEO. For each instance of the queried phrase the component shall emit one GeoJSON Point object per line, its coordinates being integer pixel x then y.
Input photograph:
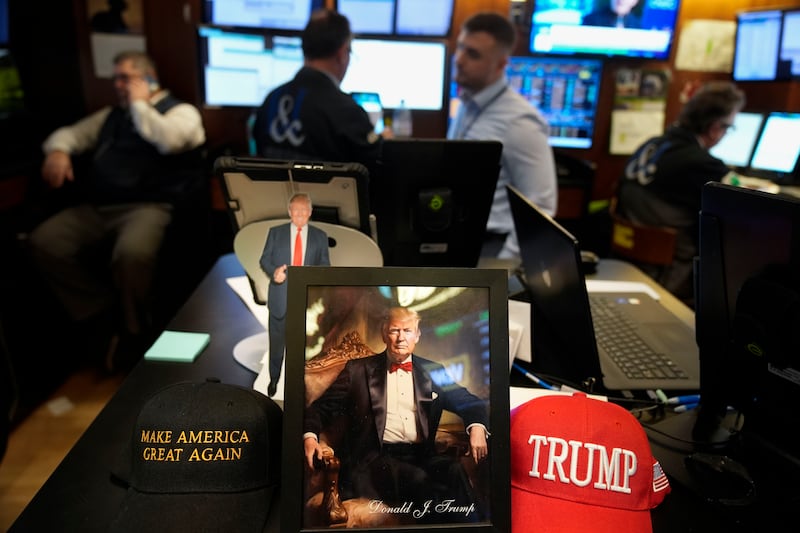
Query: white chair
{"type": "Point", "coordinates": [347, 247]}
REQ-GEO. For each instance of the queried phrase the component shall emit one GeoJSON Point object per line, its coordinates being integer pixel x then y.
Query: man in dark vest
{"type": "Point", "coordinates": [144, 160]}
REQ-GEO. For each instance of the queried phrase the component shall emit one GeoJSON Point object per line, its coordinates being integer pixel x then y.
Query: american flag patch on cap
{"type": "Point", "coordinates": [660, 481]}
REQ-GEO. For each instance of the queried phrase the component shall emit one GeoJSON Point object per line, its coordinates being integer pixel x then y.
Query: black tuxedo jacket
{"type": "Point", "coordinates": [358, 400]}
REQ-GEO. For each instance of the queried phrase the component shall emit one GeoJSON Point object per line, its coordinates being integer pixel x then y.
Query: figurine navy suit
{"type": "Point", "coordinates": [276, 257]}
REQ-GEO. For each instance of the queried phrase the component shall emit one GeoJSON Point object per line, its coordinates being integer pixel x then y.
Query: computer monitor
{"type": "Point", "coordinates": [737, 145]}
{"type": "Point", "coordinates": [748, 314]}
{"type": "Point", "coordinates": [560, 27]}
{"type": "Point", "coordinates": [283, 15]}
{"type": "Point", "coordinates": [565, 90]}
{"type": "Point", "coordinates": [790, 42]}
{"type": "Point", "coordinates": [12, 94]}
{"type": "Point", "coordinates": [398, 70]}
{"type": "Point", "coordinates": [240, 68]}
{"type": "Point", "coordinates": [757, 46]}
{"type": "Point", "coordinates": [778, 147]}
{"type": "Point", "coordinates": [431, 18]}
{"type": "Point", "coordinates": [4, 25]}
{"type": "Point", "coordinates": [431, 199]}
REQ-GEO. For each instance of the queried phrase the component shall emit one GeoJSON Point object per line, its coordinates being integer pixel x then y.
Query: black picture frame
{"type": "Point", "coordinates": [464, 324]}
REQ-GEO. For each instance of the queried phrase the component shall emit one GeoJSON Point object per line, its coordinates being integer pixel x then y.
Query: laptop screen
{"type": "Point", "coordinates": [557, 289]}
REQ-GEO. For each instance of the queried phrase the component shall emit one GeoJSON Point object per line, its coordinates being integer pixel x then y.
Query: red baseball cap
{"type": "Point", "coordinates": [580, 464]}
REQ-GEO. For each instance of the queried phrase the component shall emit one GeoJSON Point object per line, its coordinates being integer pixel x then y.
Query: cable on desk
{"type": "Point", "coordinates": [533, 378]}
{"type": "Point", "coordinates": [697, 444]}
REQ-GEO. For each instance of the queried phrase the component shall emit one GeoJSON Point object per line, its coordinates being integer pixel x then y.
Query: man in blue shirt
{"type": "Point", "coordinates": [491, 110]}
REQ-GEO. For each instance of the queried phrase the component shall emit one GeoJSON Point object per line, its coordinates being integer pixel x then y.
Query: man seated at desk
{"type": "Point", "coordinates": [662, 181]}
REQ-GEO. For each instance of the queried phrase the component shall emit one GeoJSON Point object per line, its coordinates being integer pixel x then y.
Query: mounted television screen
{"type": "Point", "coordinates": [4, 31]}
{"type": "Point", "coordinates": [591, 27]}
{"type": "Point", "coordinates": [790, 43]}
{"type": "Point", "coordinates": [412, 71]}
{"type": "Point", "coordinates": [565, 90]}
{"type": "Point", "coordinates": [758, 39]}
{"type": "Point", "coordinates": [430, 18]}
{"type": "Point", "coordinates": [283, 15]}
{"type": "Point", "coordinates": [240, 69]}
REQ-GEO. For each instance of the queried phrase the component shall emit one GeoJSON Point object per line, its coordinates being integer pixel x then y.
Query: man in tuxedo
{"type": "Point", "coordinates": [390, 407]}
{"type": "Point", "coordinates": [297, 244]}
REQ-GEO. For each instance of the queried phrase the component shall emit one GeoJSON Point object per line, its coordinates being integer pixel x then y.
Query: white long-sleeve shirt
{"type": "Point", "coordinates": [178, 130]}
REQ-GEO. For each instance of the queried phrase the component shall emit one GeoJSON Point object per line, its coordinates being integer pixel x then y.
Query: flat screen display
{"type": "Point", "coordinates": [4, 37]}
{"type": "Point", "coordinates": [592, 27]}
{"type": "Point", "coordinates": [240, 69]}
{"type": "Point", "coordinates": [398, 70]}
{"type": "Point", "coordinates": [790, 43]}
{"type": "Point", "coordinates": [758, 40]}
{"type": "Point", "coordinates": [565, 90]}
{"type": "Point", "coordinates": [267, 14]}
{"type": "Point", "coordinates": [431, 18]}
{"type": "Point", "coordinates": [737, 145]}
{"type": "Point", "coordinates": [778, 146]}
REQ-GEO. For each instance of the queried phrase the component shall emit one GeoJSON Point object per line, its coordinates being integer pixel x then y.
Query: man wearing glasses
{"type": "Point", "coordinates": [145, 163]}
{"type": "Point", "coordinates": [663, 180]}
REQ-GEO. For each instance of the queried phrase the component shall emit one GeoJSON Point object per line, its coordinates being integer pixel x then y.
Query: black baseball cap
{"type": "Point", "coordinates": [203, 457]}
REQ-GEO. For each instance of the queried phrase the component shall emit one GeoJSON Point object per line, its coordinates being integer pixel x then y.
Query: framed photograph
{"type": "Point", "coordinates": [396, 411]}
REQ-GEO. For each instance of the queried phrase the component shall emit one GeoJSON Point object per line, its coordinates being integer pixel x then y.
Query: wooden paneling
{"type": "Point", "coordinates": [761, 95]}
{"type": "Point", "coordinates": [170, 29]}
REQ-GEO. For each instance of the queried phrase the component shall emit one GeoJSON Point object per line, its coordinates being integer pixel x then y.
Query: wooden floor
{"type": "Point", "coordinates": [40, 441]}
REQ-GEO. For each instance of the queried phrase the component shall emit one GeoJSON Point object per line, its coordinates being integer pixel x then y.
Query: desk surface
{"type": "Point", "coordinates": [80, 495]}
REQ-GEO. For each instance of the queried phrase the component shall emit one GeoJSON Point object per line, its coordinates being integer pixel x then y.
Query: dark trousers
{"type": "Point", "coordinates": [277, 343]}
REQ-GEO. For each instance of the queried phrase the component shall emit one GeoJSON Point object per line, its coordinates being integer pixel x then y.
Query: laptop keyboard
{"type": "Point", "coordinates": [616, 334]}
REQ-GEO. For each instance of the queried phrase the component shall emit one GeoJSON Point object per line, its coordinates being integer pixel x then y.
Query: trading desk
{"type": "Point", "coordinates": [81, 496]}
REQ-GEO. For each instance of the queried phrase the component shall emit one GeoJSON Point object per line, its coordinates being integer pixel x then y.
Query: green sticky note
{"type": "Point", "coordinates": [177, 346]}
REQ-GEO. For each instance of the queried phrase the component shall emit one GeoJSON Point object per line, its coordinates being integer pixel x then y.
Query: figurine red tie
{"type": "Point", "coordinates": [297, 259]}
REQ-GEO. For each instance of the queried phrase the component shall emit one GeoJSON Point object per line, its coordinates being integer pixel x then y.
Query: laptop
{"type": "Point", "coordinates": [571, 337]}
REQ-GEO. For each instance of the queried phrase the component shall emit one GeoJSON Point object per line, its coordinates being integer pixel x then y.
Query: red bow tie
{"type": "Point", "coordinates": [402, 366]}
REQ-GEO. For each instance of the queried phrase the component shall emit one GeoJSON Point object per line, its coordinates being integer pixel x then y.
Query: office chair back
{"type": "Point", "coordinates": [347, 247]}
{"type": "Point", "coordinates": [575, 177]}
{"type": "Point", "coordinates": [653, 245]}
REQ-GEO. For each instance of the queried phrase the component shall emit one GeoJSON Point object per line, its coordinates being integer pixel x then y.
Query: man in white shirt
{"type": "Point", "coordinates": [491, 110]}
